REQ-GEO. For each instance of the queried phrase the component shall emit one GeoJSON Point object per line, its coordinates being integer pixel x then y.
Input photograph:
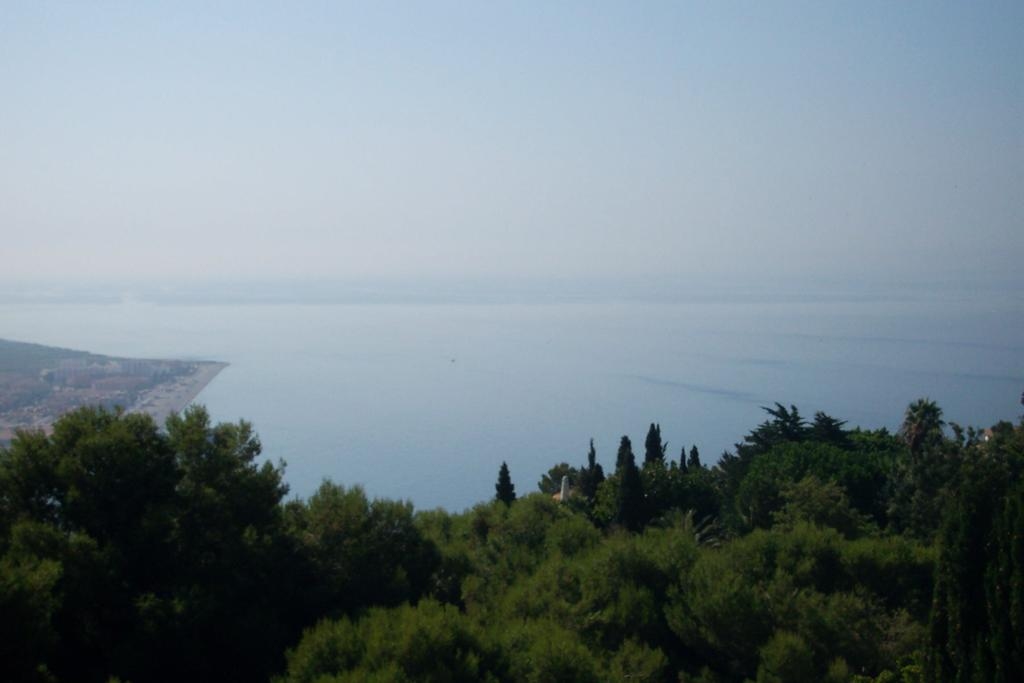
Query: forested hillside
{"type": "Point", "coordinates": [809, 552]}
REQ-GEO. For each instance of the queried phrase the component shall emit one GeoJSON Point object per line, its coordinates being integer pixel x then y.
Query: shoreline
{"type": "Point", "coordinates": [159, 402]}
{"type": "Point", "coordinates": [173, 397]}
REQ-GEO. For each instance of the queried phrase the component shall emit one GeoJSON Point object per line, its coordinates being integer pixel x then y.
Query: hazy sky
{"type": "Point", "coordinates": [190, 141]}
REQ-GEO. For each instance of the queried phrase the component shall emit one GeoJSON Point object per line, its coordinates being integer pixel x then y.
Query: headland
{"type": "Point", "coordinates": [39, 383]}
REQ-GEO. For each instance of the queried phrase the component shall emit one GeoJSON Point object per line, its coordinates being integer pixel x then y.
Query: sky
{"type": "Point", "coordinates": [511, 141]}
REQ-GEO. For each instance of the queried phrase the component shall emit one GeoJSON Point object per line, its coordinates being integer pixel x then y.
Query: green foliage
{"type": "Point", "coordinates": [129, 552]}
{"type": "Point", "coordinates": [541, 650]}
{"type": "Point", "coordinates": [551, 482]}
{"type": "Point", "coordinates": [630, 506]}
{"type": "Point", "coordinates": [636, 661]}
{"type": "Point", "coordinates": [694, 463]}
{"type": "Point", "coordinates": [591, 476]}
{"type": "Point", "coordinates": [505, 491]}
{"type": "Point", "coordinates": [28, 602]}
{"type": "Point", "coordinates": [362, 553]}
{"type": "Point", "coordinates": [786, 657]}
{"type": "Point", "coordinates": [797, 581]}
{"type": "Point", "coordinates": [654, 449]}
{"type": "Point", "coordinates": [1004, 589]}
{"type": "Point", "coordinates": [922, 425]}
{"type": "Point", "coordinates": [820, 503]}
{"type": "Point", "coordinates": [861, 475]}
{"type": "Point", "coordinates": [981, 563]}
{"type": "Point", "coordinates": [428, 642]}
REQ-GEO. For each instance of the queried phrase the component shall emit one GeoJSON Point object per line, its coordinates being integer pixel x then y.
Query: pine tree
{"type": "Point", "coordinates": [653, 448]}
{"type": "Point", "coordinates": [694, 463]}
{"type": "Point", "coordinates": [505, 490]}
{"type": "Point", "coordinates": [827, 429]}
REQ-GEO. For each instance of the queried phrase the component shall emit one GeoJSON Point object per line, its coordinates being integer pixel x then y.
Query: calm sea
{"type": "Point", "coordinates": [424, 402]}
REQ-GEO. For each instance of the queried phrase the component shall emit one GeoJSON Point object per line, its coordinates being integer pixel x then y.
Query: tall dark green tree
{"type": "Point", "coordinates": [505, 490]}
{"type": "Point", "coordinates": [827, 429]}
{"type": "Point", "coordinates": [591, 476]}
{"type": "Point", "coordinates": [977, 618]}
{"type": "Point", "coordinates": [624, 454]}
{"type": "Point", "coordinates": [654, 449]}
{"type": "Point", "coordinates": [1004, 590]}
{"type": "Point", "coordinates": [694, 463]}
{"type": "Point", "coordinates": [630, 511]}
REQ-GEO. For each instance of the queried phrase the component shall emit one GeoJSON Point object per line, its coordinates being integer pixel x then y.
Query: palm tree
{"type": "Point", "coordinates": [922, 421]}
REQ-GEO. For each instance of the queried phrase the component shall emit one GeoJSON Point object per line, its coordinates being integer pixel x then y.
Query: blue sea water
{"type": "Point", "coordinates": [424, 402]}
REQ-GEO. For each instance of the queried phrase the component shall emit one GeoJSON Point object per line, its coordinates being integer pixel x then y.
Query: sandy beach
{"type": "Point", "coordinates": [175, 396]}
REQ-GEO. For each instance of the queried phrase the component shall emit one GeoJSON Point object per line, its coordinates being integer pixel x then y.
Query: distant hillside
{"type": "Point", "coordinates": [22, 357]}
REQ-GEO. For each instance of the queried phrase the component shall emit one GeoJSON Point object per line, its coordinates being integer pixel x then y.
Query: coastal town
{"type": "Point", "coordinates": [40, 383]}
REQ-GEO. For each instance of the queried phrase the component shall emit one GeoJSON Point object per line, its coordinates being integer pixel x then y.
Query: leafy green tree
{"type": "Point", "coordinates": [548, 651]}
{"type": "Point", "coordinates": [785, 426]}
{"type": "Point", "coordinates": [637, 661]}
{"type": "Point", "coordinates": [827, 429]}
{"type": "Point", "coordinates": [426, 642]}
{"type": "Point", "coordinates": [361, 553]}
{"type": "Point", "coordinates": [29, 600]}
{"type": "Point", "coordinates": [821, 503]}
{"type": "Point", "coordinates": [786, 657]}
{"type": "Point", "coordinates": [235, 598]}
{"type": "Point", "coordinates": [551, 482]}
{"type": "Point", "coordinates": [505, 490]}
{"type": "Point", "coordinates": [661, 488]}
{"type": "Point", "coordinates": [168, 549]}
{"type": "Point", "coordinates": [862, 475]}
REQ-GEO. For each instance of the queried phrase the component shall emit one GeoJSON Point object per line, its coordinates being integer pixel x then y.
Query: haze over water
{"type": "Point", "coordinates": [574, 218]}
{"type": "Point", "coordinates": [424, 401]}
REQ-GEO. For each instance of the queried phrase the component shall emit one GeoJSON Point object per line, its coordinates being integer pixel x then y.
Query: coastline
{"type": "Point", "coordinates": [173, 397]}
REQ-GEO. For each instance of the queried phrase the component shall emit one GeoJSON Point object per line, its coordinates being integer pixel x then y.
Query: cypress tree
{"type": "Point", "coordinates": [682, 459]}
{"type": "Point", "coordinates": [653, 448]}
{"type": "Point", "coordinates": [592, 475]}
{"type": "Point", "coordinates": [505, 490]}
{"type": "Point", "coordinates": [694, 463]}
{"type": "Point", "coordinates": [961, 644]}
{"type": "Point", "coordinates": [630, 496]}
{"type": "Point", "coordinates": [625, 454]}
{"type": "Point", "coordinates": [1004, 590]}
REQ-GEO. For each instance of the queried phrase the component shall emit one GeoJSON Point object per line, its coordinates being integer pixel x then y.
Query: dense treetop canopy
{"type": "Point", "coordinates": [810, 552]}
